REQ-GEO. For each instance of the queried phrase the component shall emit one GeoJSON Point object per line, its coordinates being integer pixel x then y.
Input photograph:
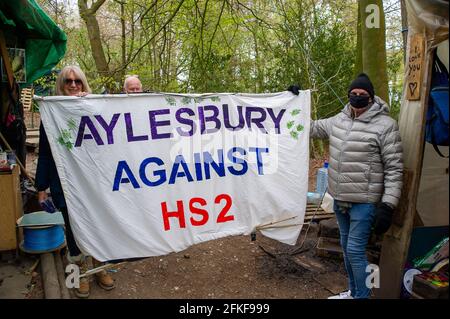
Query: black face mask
{"type": "Point", "coordinates": [358, 101]}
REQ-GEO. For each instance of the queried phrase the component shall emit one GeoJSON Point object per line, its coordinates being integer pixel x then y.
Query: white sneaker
{"type": "Point", "coordinates": [343, 295]}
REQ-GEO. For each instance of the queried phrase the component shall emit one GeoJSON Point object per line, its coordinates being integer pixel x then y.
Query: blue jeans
{"type": "Point", "coordinates": [355, 223]}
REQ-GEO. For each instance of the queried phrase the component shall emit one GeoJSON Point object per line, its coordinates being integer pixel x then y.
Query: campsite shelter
{"type": "Point", "coordinates": [423, 213]}
{"type": "Point", "coordinates": [26, 26]}
{"type": "Point", "coordinates": [31, 45]}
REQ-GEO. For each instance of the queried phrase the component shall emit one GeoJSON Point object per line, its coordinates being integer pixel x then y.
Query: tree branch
{"type": "Point", "coordinates": [96, 5]}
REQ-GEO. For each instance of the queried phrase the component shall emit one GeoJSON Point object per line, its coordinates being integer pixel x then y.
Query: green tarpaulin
{"type": "Point", "coordinates": [27, 26]}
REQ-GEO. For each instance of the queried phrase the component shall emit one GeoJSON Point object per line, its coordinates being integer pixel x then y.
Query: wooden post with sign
{"type": "Point", "coordinates": [396, 241]}
{"type": "Point", "coordinates": [414, 67]}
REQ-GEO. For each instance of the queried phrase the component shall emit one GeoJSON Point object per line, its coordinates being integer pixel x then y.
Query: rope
{"type": "Point", "coordinates": [100, 268]}
{"type": "Point", "coordinates": [299, 248]}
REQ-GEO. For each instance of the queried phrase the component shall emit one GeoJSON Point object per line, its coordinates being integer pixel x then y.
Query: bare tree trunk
{"type": "Point", "coordinates": [359, 58]}
{"type": "Point", "coordinates": [374, 45]}
{"type": "Point", "coordinates": [404, 27]}
{"type": "Point", "coordinates": [122, 23]}
{"type": "Point", "coordinates": [93, 29]}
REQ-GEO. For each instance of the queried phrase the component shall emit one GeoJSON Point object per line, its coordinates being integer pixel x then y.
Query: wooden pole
{"type": "Point", "coordinates": [50, 277]}
{"type": "Point", "coordinates": [396, 241]}
{"type": "Point", "coordinates": [61, 277]}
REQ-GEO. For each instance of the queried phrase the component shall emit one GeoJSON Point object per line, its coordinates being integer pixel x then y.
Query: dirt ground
{"type": "Point", "coordinates": [228, 268]}
{"type": "Point", "coordinates": [231, 267]}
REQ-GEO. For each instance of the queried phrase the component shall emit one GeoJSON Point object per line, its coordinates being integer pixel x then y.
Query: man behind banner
{"type": "Point", "coordinates": [365, 174]}
{"type": "Point", "coordinates": [132, 84]}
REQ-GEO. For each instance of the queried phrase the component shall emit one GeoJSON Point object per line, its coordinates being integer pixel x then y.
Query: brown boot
{"type": "Point", "coordinates": [104, 279]}
{"type": "Point", "coordinates": [84, 290]}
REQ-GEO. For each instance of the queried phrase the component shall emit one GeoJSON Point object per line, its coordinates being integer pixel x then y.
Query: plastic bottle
{"type": "Point", "coordinates": [322, 179]}
{"type": "Point", "coordinates": [313, 198]}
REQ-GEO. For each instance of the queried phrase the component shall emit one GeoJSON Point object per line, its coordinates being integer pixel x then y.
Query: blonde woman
{"type": "Point", "coordinates": [71, 81]}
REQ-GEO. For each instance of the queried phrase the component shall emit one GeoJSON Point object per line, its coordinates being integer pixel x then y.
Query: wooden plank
{"type": "Point", "coordinates": [309, 263]}
{"type": "Point", "coordinates": [329, 247]}
{"type": "Point", "coordinates": [320, 212]}
{"type": "Point", "coordinates": [26, 97]}
{"type": "Point", "coordinates": [317, 217]}
{"type": "Point", "coordinates": [32, 134]}
{"type": "Point", "coordinates": [414, 67]}
{"type": "Point", "coordinates": [314, 210]}
{"type": "Point", "coordinates": [32, 142]}
{"type": "Point", "coordinates": [332, 281]}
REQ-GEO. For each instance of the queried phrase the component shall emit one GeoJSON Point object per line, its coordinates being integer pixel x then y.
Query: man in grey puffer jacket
{"type": "Point", "coordinates": [364, 174]}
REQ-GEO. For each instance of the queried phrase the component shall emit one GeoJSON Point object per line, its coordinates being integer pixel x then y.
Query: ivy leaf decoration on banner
{"type": "Point", "coordinates": [294, 134]}
{"type": "Point", "coordinates": [72, 125]}
{"type": "Point", "coordinates": [295, 112]}
{"type": "Point", "coordinates": [171, 100]}
{"type": "Point", "coordinates": [65, 139]}
{"type": "Point", "coordinates": [186, 100]}
{"type": "Point", "coordinates": [293, 126]}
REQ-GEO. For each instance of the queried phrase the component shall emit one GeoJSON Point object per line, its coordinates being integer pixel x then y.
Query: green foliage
{"type": "Point", "coordinates": [206, 46]}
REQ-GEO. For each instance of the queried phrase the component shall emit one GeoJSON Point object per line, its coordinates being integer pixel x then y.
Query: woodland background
{"type": "Point", "coordinates": [199, 46]}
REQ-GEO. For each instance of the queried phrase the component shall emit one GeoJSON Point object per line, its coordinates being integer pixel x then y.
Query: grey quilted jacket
{"type": "Point", "coordinates": [365, 155]}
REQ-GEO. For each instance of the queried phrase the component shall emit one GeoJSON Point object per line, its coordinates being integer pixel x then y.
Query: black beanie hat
{"type": "Point", "coordinates": [362, 81]}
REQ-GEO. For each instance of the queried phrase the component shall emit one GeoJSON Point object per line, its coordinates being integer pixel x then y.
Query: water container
{"type": "Point", "coordinates": [322, 179]}
{"type": "Point", "coordinates": [313, 198]}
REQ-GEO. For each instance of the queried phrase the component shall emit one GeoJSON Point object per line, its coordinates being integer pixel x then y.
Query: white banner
{"type": "Point", "coordinates": [149, 174]}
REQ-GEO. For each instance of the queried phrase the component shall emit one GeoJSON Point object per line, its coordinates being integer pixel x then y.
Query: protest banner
{"type": "Point", "coordinates": [149, 174]}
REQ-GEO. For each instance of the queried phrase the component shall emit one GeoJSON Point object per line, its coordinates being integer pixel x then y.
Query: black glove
{"type": "Point", "coordinates": [294, 89]}
{"type": "Point", "coordinates": [383, 218]}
